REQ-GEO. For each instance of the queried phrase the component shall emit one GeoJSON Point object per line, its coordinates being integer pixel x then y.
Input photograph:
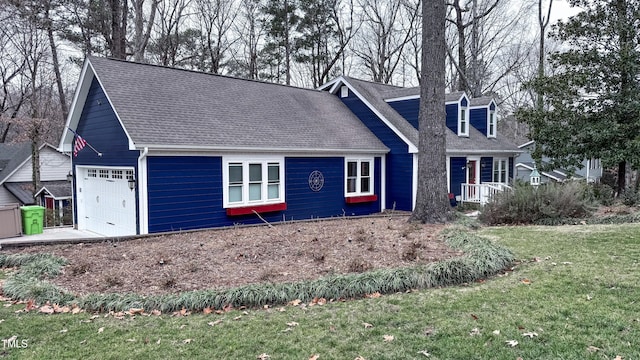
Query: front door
{"type": "Point", "coordinates": [472, 179]}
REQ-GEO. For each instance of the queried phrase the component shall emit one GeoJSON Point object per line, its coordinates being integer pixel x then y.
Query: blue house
{"type": "Point", "coordinates": [175, 149]}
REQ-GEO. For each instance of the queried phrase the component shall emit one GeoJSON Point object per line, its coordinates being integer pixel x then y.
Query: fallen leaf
{"type": "Point", "coordinates": [512, 343]}
{"type": "Point", "coordinates": [589, 298]}
{"type": "Point", "coordinates": [592, 349]}
{"type": "Point", "coordinates": [526, 281]}
{"type": "Point", "coordinates": [30, 305]}
{"type": "Point", "coordinates": [474, 332]}
{"type": "Point", "coordinates": [367, 325]}
{"type": "Point", "coordinates": [158, 342]}
{"type": "Point", "coordinates": [388, 338]}
{"type": "Point", "coordinates": [1, 321]}
{"type": "Point", "coordinates": [214, 323]}
{"type": "Point", "coordinates": [474, 317]}
{"type": "Point", "coordinates": [206, 310]}
{"type": "Point", "coordinates": [134, 311]}
{"type": "Point", "coordinates": [618, 358]}
{"type": "Point", "coordinates": [295, 302]}
{"type": "Point", "coordinates": [424, 352]}
{"type": "Point", "coordinates": [263, 356]}
{"type": "Point", "coordinates": [131, 340]}
{"type": "Point", "coordinates": [292, 324]}
{"type": "Point", "coordinates": [530, 334]}
{"type": "Point", "coordinates": [186, 341]}
{"type": "Point", "coordinates": [375, 295]}
{"type": "Point", "coordinates": [156, 312]}
{"type": "Point", "coordinates": [567, 263]}
{"type": "Point", "coordinates": [46, 309]}
{"type": "Point", "coordinates": [314, 357]}
{"type": "Point", "coordinates": [94, 317]}
{"type": "Point", "coordinates": [100, 330]}
{"type": "Point", "coordinates": [496, 332]}
{"type": "Point", "coordinates": [183, 326]}
{"type": "Point", "coordinates": [360, 358]}
{"type": "Point", "coordinates": [76, 310]}
{"type": "Point", "coordinates": [63, 331]}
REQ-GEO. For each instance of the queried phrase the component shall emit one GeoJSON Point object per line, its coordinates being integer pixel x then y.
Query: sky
{"type": "Point", "coordinates": [562, 10]}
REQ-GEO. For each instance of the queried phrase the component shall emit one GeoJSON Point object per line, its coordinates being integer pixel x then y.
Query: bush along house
{"type": "Point", "coordinates": [159, 149]}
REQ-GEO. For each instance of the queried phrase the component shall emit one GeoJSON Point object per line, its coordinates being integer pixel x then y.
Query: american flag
{"type": "Point", "coordinates": [78, 145]}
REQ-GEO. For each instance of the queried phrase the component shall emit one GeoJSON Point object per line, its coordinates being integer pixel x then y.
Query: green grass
{"type": "Point", "coordinates": [583, 292]}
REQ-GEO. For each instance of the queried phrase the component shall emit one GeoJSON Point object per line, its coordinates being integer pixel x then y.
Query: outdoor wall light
{"type": "Point", "coordinates": [132, 183]}
{"type": "Point", "coordinates": [70, 176]}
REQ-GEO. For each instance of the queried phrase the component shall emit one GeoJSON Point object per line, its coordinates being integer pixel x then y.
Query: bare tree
{"type": "Point", "coordinates": [249, 26]}
{"type": "Point", "coordinates": [172, 15]}
{"type": "Point", "coordinates": [216, 19]}
{"type": "Point", "coordinates": [142, 27]}
{"type": "Point", "coordinates": [385, 32]}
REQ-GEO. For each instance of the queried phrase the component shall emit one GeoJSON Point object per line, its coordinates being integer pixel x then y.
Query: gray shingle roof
{"type": "Point", "coordinates": [57, 189]}
{"type": "Point", "coordinates": [11, 156]}
{"type": "Point", "coordinates": [23, 191]}
{"type": "Point", "coordinates": [375, 94]}
{"type": "Point", "coordinates": [161, 106]}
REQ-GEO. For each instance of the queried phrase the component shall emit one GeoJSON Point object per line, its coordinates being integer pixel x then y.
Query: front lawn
{"type": "Point", "coordinates": [574, 295]}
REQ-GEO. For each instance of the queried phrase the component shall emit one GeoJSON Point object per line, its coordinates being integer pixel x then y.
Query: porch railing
{"type": "Point", "coordinates": [481, 193]}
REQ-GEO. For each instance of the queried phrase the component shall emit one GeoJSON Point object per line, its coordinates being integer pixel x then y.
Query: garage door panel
{"type": "Point", "coordinates": [107, 205]}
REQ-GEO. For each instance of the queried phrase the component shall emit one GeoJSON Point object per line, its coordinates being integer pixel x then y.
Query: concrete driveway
{"type": "Point", "coordinates": [51, 235]}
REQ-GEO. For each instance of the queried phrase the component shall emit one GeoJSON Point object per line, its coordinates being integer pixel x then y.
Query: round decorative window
{"type": "Point", "coordinates": [316, 180]}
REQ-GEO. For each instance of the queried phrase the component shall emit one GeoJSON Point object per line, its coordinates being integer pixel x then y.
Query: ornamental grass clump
{"type": "Point", "coordinates": [30, 281]}
{"type": "Point", "coordinates": [526, 204]}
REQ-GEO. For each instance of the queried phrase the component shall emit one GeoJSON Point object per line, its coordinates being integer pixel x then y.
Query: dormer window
{"type": "Point", "coordinates": [463, 122]}
{"type": "Point", "coordinates": [344, 91]}
{"type": "Point", "coordinates": [491, 124]}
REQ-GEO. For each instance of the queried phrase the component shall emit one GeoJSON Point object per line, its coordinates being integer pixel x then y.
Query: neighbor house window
{"type": "Point", "coordinates": [359, 177]}
{"type": "Point", "coordinates": [463, 123]}
{"type": "Point", "coordinates": [249, 182]}
{"type": "Point", "coordinates": [491, 128]}
{"type": "Point", "coordinates": [500, 171]}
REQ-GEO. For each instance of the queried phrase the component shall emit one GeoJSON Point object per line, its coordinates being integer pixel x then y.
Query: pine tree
{"type": "Point", "coordinates": [592, 104]}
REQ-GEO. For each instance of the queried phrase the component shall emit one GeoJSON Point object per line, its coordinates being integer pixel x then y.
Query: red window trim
{"type": "Point", "coordinates": [246, 210]}
{"type": "Point", "coordinates": [361, 199]}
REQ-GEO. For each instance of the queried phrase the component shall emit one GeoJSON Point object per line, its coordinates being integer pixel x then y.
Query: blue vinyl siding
{"type": "Point", "coordinates": [458, 169]}
{"type": "Point", "coordinates": [304, 203]}
{"type": "Point", "coordinates": [100, 127]}
{"type": "Point", "coordinates": [479, 119]}
{"type": "Point", "coordinates": [452, 117]}
{"type": "Point", "coordinates": [186, 193]}
{"type": "Point", "coordinates": [409, 110]}
{"type": "Point", "coordinates": [486, 169]}
{"type": "Point", "coordinates": [399, 162]}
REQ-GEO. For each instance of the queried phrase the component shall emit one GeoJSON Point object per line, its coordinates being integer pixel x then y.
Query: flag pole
{"type": "Point", "coordinates": [85, 140]}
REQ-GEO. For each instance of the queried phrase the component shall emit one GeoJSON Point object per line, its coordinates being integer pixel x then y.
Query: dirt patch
{"type": "Point", "coordinates": [238, 256]}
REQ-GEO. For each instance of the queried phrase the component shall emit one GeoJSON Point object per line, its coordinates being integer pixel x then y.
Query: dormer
{"type": "Point", "coordinates": [457, 108]}
{"type": "Point", "coordinates": [483, 116]}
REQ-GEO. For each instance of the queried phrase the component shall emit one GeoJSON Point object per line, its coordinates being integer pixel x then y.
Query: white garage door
{"type": "Point", "coordinates": [106, 205]}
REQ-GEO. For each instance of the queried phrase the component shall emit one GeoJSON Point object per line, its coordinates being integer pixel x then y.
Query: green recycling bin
{"type": "Point", "coordinates": [32, 219]}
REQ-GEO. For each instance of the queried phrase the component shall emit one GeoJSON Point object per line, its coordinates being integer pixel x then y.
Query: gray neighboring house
{"type": "Point", "coordinates": [591, 169]}
{"type": "Point", "coordinates": [16, 176]}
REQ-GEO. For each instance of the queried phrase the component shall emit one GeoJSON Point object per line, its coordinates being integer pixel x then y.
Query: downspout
{"type": "Point", "coordinates": [143, 210]}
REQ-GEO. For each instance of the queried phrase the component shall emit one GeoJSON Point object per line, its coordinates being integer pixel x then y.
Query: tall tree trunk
{"type": "Point", "coordinates": [622, 177]}
{"type": "Point", "coordinates": [432, 202]}
{"type": "Point", "coordinates": [56, 63]}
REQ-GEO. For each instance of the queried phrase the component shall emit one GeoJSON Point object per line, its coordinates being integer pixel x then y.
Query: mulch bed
{"type": "Point", "coordinates": [233, 257]}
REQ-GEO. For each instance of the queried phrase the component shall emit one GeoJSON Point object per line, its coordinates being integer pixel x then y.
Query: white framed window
{"type": "Point", "coordinates": [358, 177]}
{"type": "Point", "coordinates": [491, 124]}
{"type": "Point", "coordinates": [252, 182]}
{"type": "Point", "coordinates": [344, 91]}
{"type": "Point", "coordinates": [104, 174]}
{"type": "Point", "coordinates": [500, 170]}
{"type": "Point", "coordinates": [463, 121]}
{"type": "Point", "coordinates": [92, 173]}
